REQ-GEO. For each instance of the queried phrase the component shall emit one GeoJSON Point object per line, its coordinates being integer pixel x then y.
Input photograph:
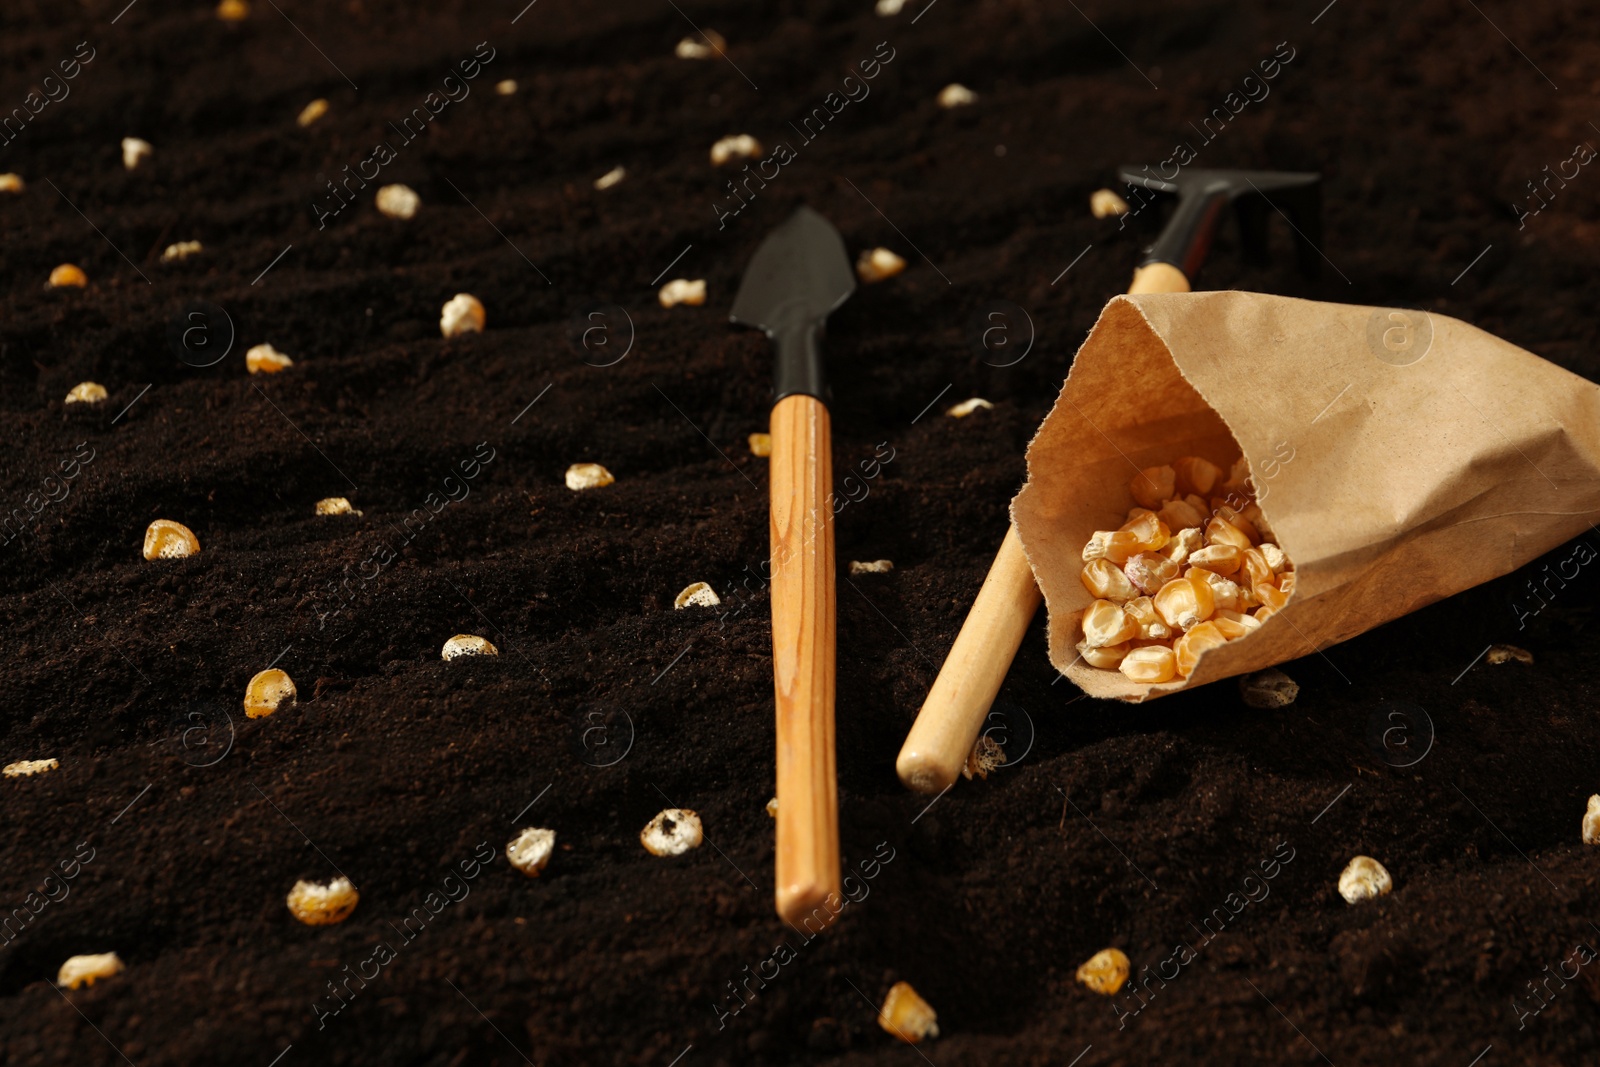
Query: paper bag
{"type": "Point", "coordinates": [1399, 457]}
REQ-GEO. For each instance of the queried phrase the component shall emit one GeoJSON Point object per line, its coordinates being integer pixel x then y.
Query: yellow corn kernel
{"type": "Point", "coordinates": [1184, 602]}
{"type": "Point", "coordinates": [1217, 558]}
{"type": "Point", "coordinates": [462, 314]}
{"type": "Point", "coordinates": [956, 95]}
{"type": "Point", "coordinates": [12, 183]}
{"type": "Point", "coordinates": [1253, 566]}
{"type": "Point", "coordinates": [179, 251]}
{"type": "Point", "coordinates": [1103, 203]}
{"type": "Point", "coordinates": [1225, 592]}
{"type": "Point", "coordinates": [1104, 623]}
{"type": "Point", "coordinates": [87, 393]}
{"type": "Point", "coordinates": [1116, 545]}
{"type": "Point", "coordinates": [1150, 533]}
{"type": "Point", "coordinates": [267, 691]}
{"type": "Point", "coordinates": [68, 275]}
{"type": "Point", "coordinates": [27, 768]}
{"type": "Point", "coordinates": [467, 645]}
{"type": "Point", "coordinates": [84, 970]}
{"type": "Point", "coordinates": [1257, 518]}
{"type": "Point", "coordinates": [696, 595]}
{"type": "Point", "coordinates": [1271, 596]}
{"type": "Point", "coordinates": [1179, 514]}
{"type": "Point", "coordinates": [1191, 646]}
{"type": "Point", "coordinates": [135, 151]}
{"type": "Point", "coordinates": [672, 833]}
{"type": "Point", "coordinates": [1183, 544]}
{"type": "Point", "coordinates": [397, 202]}
{"type": "Point", "coordinates": [907, 1016]}
{"type": "Point", "coordinates": [588, 476]}
{"type": "Point", "coordinates": [1276, 560]}
{"type": "Point", "coordinates": [1236, 518]}
{"type": "Point", "coordinates": [1105, 581]}
{"type": "Point", "coordinates": [1220, 531]}
{"type": "Point", "coordinates": [986, 756]}
{"type": "Point", "coordinates": [1149, 665]}
{"type": "Point", "coordinates": [323, 905]}
{"type": "Point", "coordinates": [1263, 613]}
{"type": "Point", "coordinates": [530, 850]}
{"type": "Point", "coordinates": [877, 264]}
{"type": "Point", "coordinates": [682, 291]}
{"type": "Point", "coordinates": [165, 539]}
{"type": "Point", "coordinates": [1153, 485]}
{"type": "Point", "coordinates": [1196, 475]}
{"type": "Point", "coordinates": [264, 359]}
{"type": "Point", "coordinates": [1364, 878]}
{"type": "Point", "coordinates": [233, 10]}
{"type": "Point", "coordinates": [772, 808]}
{"type": "Point", "coordinates": [740, 146]}
{"type": "Point", "coordinates": [336, 505]}
{"type": "Point", "coordinates": [1286, 583]}
{"type": "Point", "coordinates": [1232, 629]}
{"type": "Point", "coordinates": [611, 177]}
{"type": "Point", "coordinates": [1150, 571]}
{"type": "Point", "coordinates": [1107, 657]}
{"type": "Point", "coordinates": [871, 566]}
{"type": "Point", "coordinates": [1105, 971]}
{"type": "Point", "coordinates": [508, 87]}
{"type": "Point", "coordinates": [1151, 627]}
{"type": "Point", "coordinates": [761, 444]}
{"type": "Point", "coordinates": [312, 112]}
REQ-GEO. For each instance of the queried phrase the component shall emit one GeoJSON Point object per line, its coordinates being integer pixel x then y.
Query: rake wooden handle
{"type": "Point", "coordinates": [803, 655]}
{"type": "Point", "coordinates": [948, 725]}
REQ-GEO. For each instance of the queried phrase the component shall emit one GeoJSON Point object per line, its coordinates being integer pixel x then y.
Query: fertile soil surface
{"type": "Point", "coordinates": [175, 826]}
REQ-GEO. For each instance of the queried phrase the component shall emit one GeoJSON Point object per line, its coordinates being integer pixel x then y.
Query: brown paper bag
{"type": "Point", "coordinates": [1399, 457]}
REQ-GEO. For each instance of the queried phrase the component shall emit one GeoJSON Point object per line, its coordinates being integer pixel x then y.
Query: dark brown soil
{"type": "Point", "coordinates": [1118, 826]}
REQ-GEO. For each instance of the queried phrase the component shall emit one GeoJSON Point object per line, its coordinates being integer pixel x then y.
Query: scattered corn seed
{"type": "Point", "coordinates": [463, 313]}
{"type": "Point", "coordinates": [1153, 486]}
{"type": "Point", "coordinates": [1196, 475]}
{"type": "Point", "coordinates": [1220, 531]}
{"type": "Point", "coordinates": [233, 10]}
{"type": "Point", "coordinates": [312, 112]}
{"type": "Point", "coordinates": [1104, 204]}
{"type": "Point", "coordinates": [1217, 558]}
{"type": "Point", "coordinates": [1196, 642]}
{"type": "Point", "coordinates": [165, 539]}
{"type": "Point", "coordinates": [907, 1016]}
{"type": "Point", "coordinates": [1499, 653]}
{"type": "Point", "coordinates": [1179, 514]}
{"type": "Point", "coordinates": [1271, 596]}
{"type": "Point", "coordinates": [1184, 544]}
{"type": "Point", "coordinates": [729, 149]}
{"type": "Point", "coordinates": [323, 905]}
{"type": "Point", "coordinates": [86, 970]}
{"type": "Point", "coordinates": [467, 645]}
{"type": "Point", "coordinates": [672, 833]}
{"type": "Point", "coordinates": [1591, 820]}
{"type": "Point", "coordinates": [1105, 972]}
{"type": "Point", "coordinates": [698, 595]}
{"type": "Point", "coordinates": [889, 8]}
{"type": "Point", "coordinates": [878, 264]}
{"type": "Point", "coordinates": [1106, 581]}
{"type": "Point", "coordinates": [985, 756]}
{"type": "Point", "coordinates": [761, 444]}
{"type": "Point", "coordinates": [135, 151]}
{"type": "Point", "coordinates": [27, 768]}
{"type": "Point", "coordinates": [1150, 571]}
{"type": "Point", "coordinates": [267, 692]}
{"type": "Point", "coordinates": [1108, 657]}
{"type": "Point", "coordinates": [530, 850]}
{"type": "Point", "coordinates": [1150, 533]}
{"type": "Point", "coordinates": [68, 275]}
{"type": "Point", "coordinates": [1118, 546]}
{"type": "Point", "coordinates": [876, 566]}
{"type": "Point", "coordinates": [610, 177]}
{"type": "Point", "coordinates": [1225, 593]}
{"type": "Point", "coordinates": [690, 48]}
{"type": "Point", "coordinates": [683, 291]}
{"type": "Point", "coordinates": [967, 407]}
{"type": "Point", "coordinates": [1150, 664]}
{"type": "Point", "coordinates": [1105, 623]}
{"type": "Point", "coordinates": [956, 95]}
{"type": "Point", "coordinates": [1268, 689]}
{"type": "Point", "coordinates": [87, 393]}
{"type": "Point", "coordinates": [1274, 556]}
{"type": "Point", "coordinates": [772, 808]}
{"type": "Point", "coordinates": [398, 201]}
{"type": "Point", "coordinates": [264, 359]}
{"type": "Point", "coordinates": [505, 87]}
{"type": "Point", "coordinates": [1185, 602]}
{"type": "Point", "coordinates": [335, 505]}
{"type": "Point", "coordinates": [182, 250]}
{"type": "Point", "coordinates": [1143, 611]}
{"type": "Point", "coordinates": [588, 476]}
{"type": "Point", "coordinates": [1363, 879]}
{"type": "Point", "coordinates": [12, 183]}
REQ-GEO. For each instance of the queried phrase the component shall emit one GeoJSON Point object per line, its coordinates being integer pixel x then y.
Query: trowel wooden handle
{"type": "Point", "coordinates": [947, 726]}
{"type": "Point", "coordinates": [803, 656]}
{"type": "Point", "coordinates": [951, 718]}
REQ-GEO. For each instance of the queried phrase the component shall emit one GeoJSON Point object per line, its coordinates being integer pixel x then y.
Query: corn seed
{"type": "Point", "coordinates": [1591, 821]}
{"type": "Point", "coordinates": [268, 691]}
{"type": "Point", "coordinates": [180, 251]}
{"type": "Point", "coordinates": [1498, 654]}
{"type": "Point", "coordinates": [682, 291]}
{"type": "Point", "coordinates": [467, 645]}
{"type": "Point", "coordinates": [1220, 531]}
{"type": "Point", "coordinates": [312, 112]}
{"type": "Point", "coordinates": [1225, 593]}
{"type": "Point", "coordinates": [1105, 971]}
{"type": "Point", "coordinates": [588, 476]}
{"type": "Point", "coordinates": [1108, 657]}
{"type": "Point", "coordinates": [264, 359]}
{"type": "Point", "coordinates": [772, 808]}
{"type": "Point", "coordinates": [12, 183]}
{"type": "Point", "coordinates": [1273, 555]}
{"type": "Point", "coordinates": [27, 768]}
{"type": "Point", "coordinates": [1106, 581]}
{"type": "Point", "coordinates": [956, 95]}
{"type": "Point", "coordinates": [505, 87]}
{"type": "Point", "coordinates": [1268, 689]}
{"type": "Point", "coordinates": [1105, 204]}
{"type": "Point", "coordinates": [1184, 544]}
{"type": "Point", "coordinates": [1150, 571]}
{"type": "Point", "coordinates": [1196, 642]}
{"type": "Point", "coordinates": [86, 970]}
{"type": "Point", "coordinates": [876, 566]}
{"type": "Point", "coordinates": [68, 274]}
{"type": "Point", "coordinates": [761, 444]}
{"type": "Point", "coordinates": [1150, 533]}
{"type": "Point", "coordinates": [689, 48]}
{"type": "Point", "coordinates": [610, 178]}
{"type": "Point", "coordinates": [698, 595]}
{"type": "Point", "coordinates": [530, 850]}
{"type": "Point", "coordinates": [1217, 558]}
{"type": "Point", "coordinates": [1179, 514]}
{"type": "Point", "coordinates": [742, 146]}
{"type": "Point", "coordinates": [335, 505]}
{"type": "Point", "coordinates": [672, 833]}
{"type": "Point", "coordinates": [1363, 879]}
{"type": "Point", "coordinates": [1154, 485]}
{"type": "Point", "coordinates": [135, 152]}
{"type": "Point", "coordinates": [87, 393]}
{"type": "Point", "coordinates": [1150, 664]}
{"type": "Point", "coordinates": [1184, 602]}
{"type": "Point", "coordinates": [1104, 623]}
{"type": "Point", "coordinates": [877, 265]}
{"type": "Point", "coordinates": [323, 905]}
{"type": "Point", "coordinates": [985, 756]}
{"type": "Point", "coordinates": [889, 8]}
{"type": "Point", "coordinates": [967, 407]}
{"type": "Point", "coordinates": [1143, 611]}
{"type": "Point", "coordinates": [462, 314]}
{"type": "Point", "coordinates": [165, 539]}
{"type": "Point", "coordinates": [907, 1016]}
{"type": "Point", "coordinates": [1196, 475]}
{"type": "Point", "coordinates": [398, 201]}
{"type": "Point", "coordinates": [233, 10]}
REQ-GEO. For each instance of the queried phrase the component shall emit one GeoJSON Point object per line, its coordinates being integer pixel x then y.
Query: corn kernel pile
{"type": "Point", "coordinates": [1193, 568]}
